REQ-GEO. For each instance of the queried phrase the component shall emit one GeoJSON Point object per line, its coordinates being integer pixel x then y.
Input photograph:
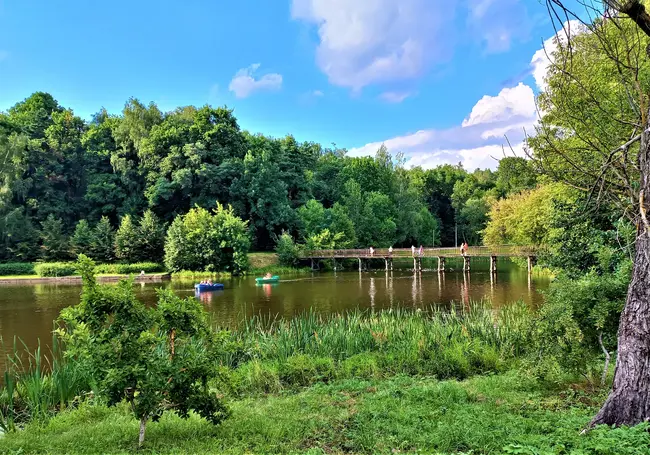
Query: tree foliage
{"type": "Point", "coordinates": [156, 359]}
{"type": "Point", "coordinates": [207, 241]}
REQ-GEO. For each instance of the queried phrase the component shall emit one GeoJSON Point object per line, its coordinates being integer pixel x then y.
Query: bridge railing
{"type": "Point", "coordinates": [501, 251]}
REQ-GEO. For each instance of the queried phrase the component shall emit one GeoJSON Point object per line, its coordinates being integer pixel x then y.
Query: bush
{"type": "Point", "coordinates": [17, 268]}
{"type": "Point", "coordinates": [576, 312]}
{"type": "Point", "coordinates": [54, 269]}
{"type": "Point", "coordinates": [127, 269]}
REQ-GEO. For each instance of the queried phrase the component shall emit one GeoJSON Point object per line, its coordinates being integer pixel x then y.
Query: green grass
{"type": "Point", "coordinates": [486, 415]}
{"type": "Point", "coordinates": [263, 259]}
{"type": "Point", "coordinates": [13, 277]}
{"type": "Point", "coordinates": [268, 354]}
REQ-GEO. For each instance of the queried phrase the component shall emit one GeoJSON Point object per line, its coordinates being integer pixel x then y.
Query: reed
{"type": "Point", "coordinates": [36, 385]}
{"type": "Point", "coordinates": [397, 341]}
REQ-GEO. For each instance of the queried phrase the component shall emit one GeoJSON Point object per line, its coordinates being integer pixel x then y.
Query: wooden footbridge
{"type": "Point", "coordinates": [364, 255]}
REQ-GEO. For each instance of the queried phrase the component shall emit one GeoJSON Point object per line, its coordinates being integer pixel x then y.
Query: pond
{"type": "Point", "coordinates": [28, 311]}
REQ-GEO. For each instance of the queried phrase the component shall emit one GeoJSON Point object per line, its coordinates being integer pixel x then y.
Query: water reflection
{"type": "Point", "coordinates": [28, 312]}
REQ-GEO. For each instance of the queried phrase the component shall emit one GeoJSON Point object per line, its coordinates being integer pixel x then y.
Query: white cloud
{"type": "Point", "coordinates": [318, 93]}
{"type": "Point", "coordinates": [394, 97]}
{"type": "Point", "coordinates": [510, 103]}
{"type": "Point", "coordinates": [477, 141]}
{"type": "Point", "coordinates": [244, 83]}
{"type": "Point", "coordinates": [481, 136]}
{"type": "Point", "coordinates": [368, 41]}
{"type": "Point", "coordinates": [541, 61]}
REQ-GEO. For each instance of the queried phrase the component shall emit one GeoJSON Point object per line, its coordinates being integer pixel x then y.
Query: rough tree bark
{"type": "Point", "coordinates": [629, 401]}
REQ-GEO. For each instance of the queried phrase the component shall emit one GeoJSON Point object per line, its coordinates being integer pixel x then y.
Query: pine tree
{"type": "Point", "coordinates": [127, 240]}
{"type": "Point", "coordinates": [54, 241]}
{"type": "Point", "coordinates": [103, 241]}
{"type": "Point", "coordinates": [82, 239]}
{"type": "Point", "coordinates": [151, 242]}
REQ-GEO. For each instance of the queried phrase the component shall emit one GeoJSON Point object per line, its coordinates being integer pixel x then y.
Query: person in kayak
{"type": "Point", "coordinates": [268, 275]}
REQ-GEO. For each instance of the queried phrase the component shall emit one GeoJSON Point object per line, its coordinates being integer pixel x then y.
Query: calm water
{"type": "Point", "coordinates": [27, 312]}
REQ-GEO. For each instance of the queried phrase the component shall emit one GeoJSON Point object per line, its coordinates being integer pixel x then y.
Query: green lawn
{"type": "Point", "coordinates": [492, 415]}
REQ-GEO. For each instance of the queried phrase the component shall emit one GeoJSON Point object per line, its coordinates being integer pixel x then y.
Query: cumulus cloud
{"type": "Point", "coordinates": [394, 97]}
{"type": "Point", "coordinates": [480, 138]}
{"type": "Point", "coordinates": [510, 103]}
{"type": "Point", "coordinates": [541, 61]}
{"type": "Point", "coordinates": [243, 84]}
{"type": "Point", "coordinates": [369, 41]}
{"type": "Point", "coordinates": [477, 141]}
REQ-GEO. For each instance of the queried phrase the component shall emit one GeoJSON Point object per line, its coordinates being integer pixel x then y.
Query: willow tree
{"type": "Point", "coordinates": [594, 135]}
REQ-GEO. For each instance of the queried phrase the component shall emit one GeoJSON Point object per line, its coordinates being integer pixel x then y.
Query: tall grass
{"type": "Point", "coordinates": [36, 385]}
{"type": "Point", "coordinates": [361, 344]}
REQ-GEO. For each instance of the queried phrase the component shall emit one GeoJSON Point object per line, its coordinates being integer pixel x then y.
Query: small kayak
{"type": "Point", "coordinates": [263, 280]}
{"type": "Point", "coordinates": [208, 287]}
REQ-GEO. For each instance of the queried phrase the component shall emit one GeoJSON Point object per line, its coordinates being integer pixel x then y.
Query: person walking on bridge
{"type": "Point", "coordinates": [390, 251]}
{"type": "Point", "coordinates": [413, 250]}
{"type": "Point", "coordinates": [421, 251]}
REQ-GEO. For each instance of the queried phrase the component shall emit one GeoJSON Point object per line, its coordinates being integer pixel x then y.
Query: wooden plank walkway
{"type": "Point", "coordinates": [382, 253]}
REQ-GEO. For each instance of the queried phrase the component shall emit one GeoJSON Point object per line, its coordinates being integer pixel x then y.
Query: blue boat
{"type": "Point", "coordinates": [208, 287]}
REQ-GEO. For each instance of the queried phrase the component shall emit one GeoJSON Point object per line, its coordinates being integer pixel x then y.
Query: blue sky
{"type": "Point", "coordinates": [440, 80]}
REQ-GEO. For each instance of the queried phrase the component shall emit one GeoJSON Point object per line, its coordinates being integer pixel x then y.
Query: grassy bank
{"type": "Point", "coordinates": [494, 414]}
{"type": "Point", "coordinates": [361, 382]}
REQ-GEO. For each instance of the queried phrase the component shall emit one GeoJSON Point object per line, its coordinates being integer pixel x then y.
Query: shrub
{"type": "Point", "coordinates": [17, 268]}
{"type": "Point", "coordinates": [127, 269]}
{"type": "Point", "coordinates": [54, 269]}
{"type": "Point", "coordinates": [576, 315]}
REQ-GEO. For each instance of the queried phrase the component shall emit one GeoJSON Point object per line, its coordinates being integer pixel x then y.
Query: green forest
{"type": "Point", "coordinates": [70, 186]}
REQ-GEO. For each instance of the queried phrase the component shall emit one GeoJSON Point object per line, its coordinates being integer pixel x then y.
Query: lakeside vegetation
{"type": "Point", "coordinates": [359, 382]}
{"type": "Point", "coordinates": [207, 192]}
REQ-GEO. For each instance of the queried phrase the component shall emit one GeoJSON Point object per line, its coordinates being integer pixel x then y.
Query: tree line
{"type": "Point", "coordinates": [69, 185]}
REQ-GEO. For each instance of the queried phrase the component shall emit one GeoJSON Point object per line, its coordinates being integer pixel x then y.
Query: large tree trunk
{"type": "Point", "coordinates": [629, 401]}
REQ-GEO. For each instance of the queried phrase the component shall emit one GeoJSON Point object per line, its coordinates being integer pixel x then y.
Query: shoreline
{"type": "Point", "coordinates": [147, 278]}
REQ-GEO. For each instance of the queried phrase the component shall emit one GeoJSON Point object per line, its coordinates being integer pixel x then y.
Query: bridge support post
{"type": "Point", "coordinates": [441, 264]}
{"type": "Point", "coordinates": [312, 264]}
{"type": "Point", "coordinates": [386, 259]}
{"type": "Point", "coordinates": [334, 264]}
{"type": "Point", "coordinates": [360, 265]}
{"type": "Point", "coordinates": [493, 264]}
{"type": "Point", "coordinates": [531, 263]}
{"type": "Point", "coordinates": [466, 263]}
